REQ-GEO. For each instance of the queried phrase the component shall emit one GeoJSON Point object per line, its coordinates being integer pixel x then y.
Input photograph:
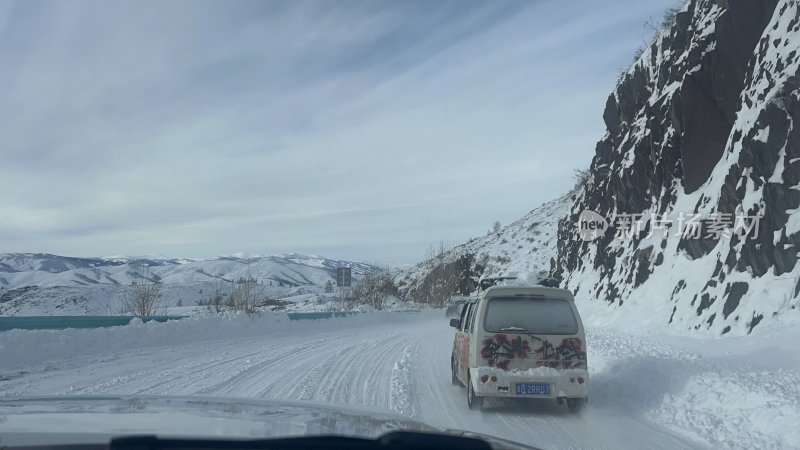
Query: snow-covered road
{"type": "Point", "coordinates": [401, 363]}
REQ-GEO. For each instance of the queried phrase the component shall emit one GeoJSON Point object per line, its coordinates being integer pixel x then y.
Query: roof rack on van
{"type": "Point", "coordinates": [487, 282]}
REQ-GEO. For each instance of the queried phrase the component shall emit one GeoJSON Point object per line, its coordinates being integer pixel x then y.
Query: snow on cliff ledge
{"type": "Point", "coordinates": [706, 122]}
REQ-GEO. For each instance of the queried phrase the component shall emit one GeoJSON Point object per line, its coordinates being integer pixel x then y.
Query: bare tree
{"type": "Point", "coordinates": [583, 178]}
{"type": "Point", "coordinates": [433, 253]}
{"type": "Point", "coordinates": [374, 288]}
{"type": "Point", "coordinates": [215, 301]}
{"type": "Point", "coordinates": [668, 19]}
{"type": "Point", "coordinates": [143, 297]}
{"type": "Point", "coordinates": [441, 250]}
{"type": "Point", "coordinates": [496, 227]}
{"type": "Point", "coordinates": [430, 253]}
{"type": "Point", "coordinates": [245, 293]}
{"type": "Point", "coordinates": [328, 287]}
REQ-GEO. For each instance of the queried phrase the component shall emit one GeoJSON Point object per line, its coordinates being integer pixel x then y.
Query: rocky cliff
{"type": "Point", "coordinates": [698, 175]}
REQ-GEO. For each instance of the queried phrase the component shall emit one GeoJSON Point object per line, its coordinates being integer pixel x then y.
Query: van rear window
{"type": "Point", "coordinates": [530, 315]}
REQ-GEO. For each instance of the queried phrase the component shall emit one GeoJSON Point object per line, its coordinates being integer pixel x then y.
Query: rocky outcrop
{"type": "Point", "coordinates": [704, 126]}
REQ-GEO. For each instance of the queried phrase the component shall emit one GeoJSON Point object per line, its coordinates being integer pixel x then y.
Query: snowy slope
{"type": "Point", "coordinates": [704, 123]}
{"type": "Point", "coordinates": [647, 391]}
{"type": "Point", "coordinates": [526, 245]}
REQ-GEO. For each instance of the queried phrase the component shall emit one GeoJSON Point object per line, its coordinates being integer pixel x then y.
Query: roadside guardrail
{"type": "Point", "coordinates": [64, 322]}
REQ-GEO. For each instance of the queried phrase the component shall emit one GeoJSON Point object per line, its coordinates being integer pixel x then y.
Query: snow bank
{"type": "Point", "coordinates": [402, 385]}
{"type": "Point", "coordinates": [23, 348]}
{"type": "Point", "coordinates": [728, 393]}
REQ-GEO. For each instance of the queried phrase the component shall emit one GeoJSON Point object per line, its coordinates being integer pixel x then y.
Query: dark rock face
{"type": "Point", "coordinates": [11, 294]}
{"type": "Point", "coordinates": [734, 292]}
{"type": "Point", "coordinates": [706, 123]}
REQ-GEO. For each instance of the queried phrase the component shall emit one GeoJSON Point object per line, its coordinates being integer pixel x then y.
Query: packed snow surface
{"type": "Point", "coordinates": [647, 390]}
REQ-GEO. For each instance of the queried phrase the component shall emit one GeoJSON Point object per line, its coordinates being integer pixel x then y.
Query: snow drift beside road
{"type": "Point", "coordinates": [20, 348]}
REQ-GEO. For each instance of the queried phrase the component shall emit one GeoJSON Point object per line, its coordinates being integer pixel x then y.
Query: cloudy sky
{"type": "Point", "coordinates": [353, 129]}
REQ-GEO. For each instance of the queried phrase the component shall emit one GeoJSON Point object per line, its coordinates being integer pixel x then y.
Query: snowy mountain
{"type": "Point", "coordinates": [705, 124]}
{"type": "Point", "coordinates": [702, 126]}
{"type": "Point", "coordinates": [29, 269]}
{"type": "Point", "coordinates": [51, 284]}
{"type": "Point", "coordinates": [526, 245]}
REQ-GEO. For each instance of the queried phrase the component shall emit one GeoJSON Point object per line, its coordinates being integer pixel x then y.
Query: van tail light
{"type": "Point", "coordinates": [484, 378]}
{"type": "Point", "coordinates": [580, 380]}
{"type": "Point", "coordinates": [494, 379]}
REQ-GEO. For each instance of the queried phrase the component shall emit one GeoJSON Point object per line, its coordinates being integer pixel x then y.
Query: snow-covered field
{"type": "Point", "coordinates": [647, 391]}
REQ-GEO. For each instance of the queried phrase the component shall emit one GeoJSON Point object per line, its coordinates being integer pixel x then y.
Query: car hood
{"type": "Point", "coordinates": [95, 420]}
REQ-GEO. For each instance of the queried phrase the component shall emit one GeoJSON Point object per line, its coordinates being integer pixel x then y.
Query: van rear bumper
{"type": "Point", "coordinates": [562, 382]}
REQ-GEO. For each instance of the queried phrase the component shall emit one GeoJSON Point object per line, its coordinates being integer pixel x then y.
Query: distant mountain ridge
{"type": "Point", "coordinates": [47, 270]}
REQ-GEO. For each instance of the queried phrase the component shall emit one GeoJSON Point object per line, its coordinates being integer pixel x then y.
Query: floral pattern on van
{"type": "Point", "coordinates": [462, 350]}
{"type": "Point", "coordinates": [567, 355]}
{"type": "Point", "coordinates": [499, 350]}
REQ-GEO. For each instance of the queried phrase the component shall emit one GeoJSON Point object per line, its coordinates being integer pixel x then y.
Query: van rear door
{"type": "Point", "coordinates": [526, 332]}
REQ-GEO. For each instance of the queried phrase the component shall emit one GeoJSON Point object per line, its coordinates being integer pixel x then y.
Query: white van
{"type": "Point", "coordinates": [521, 341]}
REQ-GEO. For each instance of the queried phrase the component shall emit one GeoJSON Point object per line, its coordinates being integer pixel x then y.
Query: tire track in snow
{"type": "Point", "coordinates": [130, 383]}
{"type": "Point", "coordinates": [190, 375]}
{"type": "Point", "coordinates": [170, 380]}
{"type": "Point", "coordinates": [319, 383]}
{"type": "Point", "coordinates": [333, 378]}
{"type": "Point", "coordinates": [254, 379]}
{"type": "Point", "coordinates": [370, 385]}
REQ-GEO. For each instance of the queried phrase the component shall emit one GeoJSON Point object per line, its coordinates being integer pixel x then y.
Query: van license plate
{"type": "Point", "coordinates": [533, 389]}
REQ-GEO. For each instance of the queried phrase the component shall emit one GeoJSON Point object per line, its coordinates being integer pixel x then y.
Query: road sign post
{"type": "Point", "coordinates": [344, 279]}
{"type": "Point", "coordinates": [344, 276]}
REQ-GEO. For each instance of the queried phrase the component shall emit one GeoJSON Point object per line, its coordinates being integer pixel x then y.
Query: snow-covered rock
{"type": "Point", "coordinates": [706, 122]}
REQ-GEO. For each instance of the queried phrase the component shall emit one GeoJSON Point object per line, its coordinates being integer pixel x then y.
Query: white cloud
{"type": "Point", "coordinates": [362, 130]}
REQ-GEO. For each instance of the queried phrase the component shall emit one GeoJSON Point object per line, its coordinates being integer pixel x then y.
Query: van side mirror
{"type": "Point", "coordinates": [455, 323]}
